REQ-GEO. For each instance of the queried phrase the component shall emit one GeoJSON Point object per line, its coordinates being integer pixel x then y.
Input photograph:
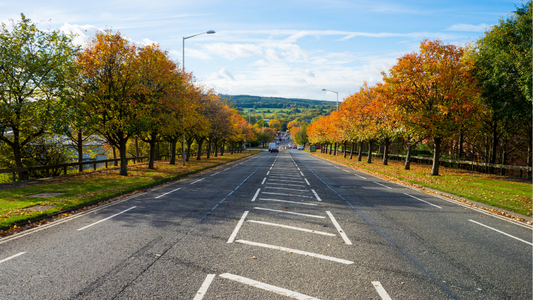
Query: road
{"type": "Point", "coordinates": [275, 226]}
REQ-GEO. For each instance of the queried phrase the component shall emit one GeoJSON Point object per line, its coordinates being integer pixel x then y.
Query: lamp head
{"type": "Point", "coordinates": [210, 32]}
{"type": "Point", "coordinates": [324, 90]}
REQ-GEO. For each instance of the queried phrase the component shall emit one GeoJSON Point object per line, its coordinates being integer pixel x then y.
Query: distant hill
{"type": "Point", "coordinates": [247, 101]}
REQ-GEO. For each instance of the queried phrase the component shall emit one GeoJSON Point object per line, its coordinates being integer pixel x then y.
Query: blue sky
{"type": "Point", "coordinates": [275, 48]}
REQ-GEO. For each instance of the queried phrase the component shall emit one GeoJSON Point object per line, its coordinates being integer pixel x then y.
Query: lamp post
{"type": "Point", "coordinates": [324, 90]}
{"type": "Point", "coordinates": [183, 66]}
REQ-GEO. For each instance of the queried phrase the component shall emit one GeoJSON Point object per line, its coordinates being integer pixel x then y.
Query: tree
{"type": "Point", "coordinates": [33, 65]}
{"type": "Point", "coordinates": [301, 136]}
{"type": "Point", "coordinates": [434, 89]}
{"type": "Point", "coordinates": [110, 65]}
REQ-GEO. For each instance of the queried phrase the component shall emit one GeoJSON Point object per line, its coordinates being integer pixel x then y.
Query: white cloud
{"type": "Point", "coordinates": [224, 74]}
{"type": "Point", "coordinates": [469, 27]}
{"type": "Point", "coordinates": [189, 52]}
{"type": "Point", "coordinates": [232, 51]}
{"type": "Point", "coordinates": [83, 32]}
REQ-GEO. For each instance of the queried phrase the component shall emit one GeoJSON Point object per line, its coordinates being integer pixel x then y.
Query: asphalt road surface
{"type": "Point", "coordinates": [275, 226]}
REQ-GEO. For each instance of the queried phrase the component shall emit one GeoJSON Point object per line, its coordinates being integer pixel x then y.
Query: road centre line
{"type": "Point", "coordinates": [197, 181]}
{"type": "Point", "coordinates": [255, 196]}
{"type": "Point", "coordinates": [268, 173]}
{"type": "Point", "coordinates": [287, 201]}
{"type": "Point", "coordinates": [287, 189]}
{"type": "Point", "coordinates": [270, 168]}
{"type": "Point", "coordinates": [306, 181]}
{"type": "Point", "coordinates": [360, 176]}
{"type": "Point", "coordinates": [316, 195]}
{"type": "Point", "coordinates": [267, 287]}
{"type": "Point", "coordinates": [302, 173]}
{"type": "Point", "coordinates": [214, 207]}
{"type": "Point", "coordinates": [205, 286]}
{"type": "Point", "coordinates": [346, 171]}
{"type": "Point", "coordinates": [381, 291]}
{"type": "Point", "coordinates": [167, 193]}
{"type": "Point", "coordinates": [292, 227]}
{"type": "Point", "coordinates": [264, 179]}
{"type": "Point", "coordinates": [339, 229]}
{"type": "Point", "coordinates": [230, 193]}
{"type": "Point", "coordinates": [514, 237]}
{"type": "Point", "coordinates": [282, 194]}
{"type": "Point", "coordinates": [11, 257]}
{"type": "Point", "coordinates": [239, 224]}
{"type": "Point", "coordinates": [215, 174]}
{"type": "Point", "coordinates": [330, 258]}
{"type": "Point", "coordinates": [382, 185]}
{"type": "Point", "coordinates": [107, 218]}
{"type": "Point", "coordinates": [227, 169]}
{"type": "Point", "coordinates": [423, 200]}
{"type": "Point", "coordinates": [290, 212]}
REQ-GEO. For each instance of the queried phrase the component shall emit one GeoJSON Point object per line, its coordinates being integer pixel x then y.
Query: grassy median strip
{"type": "Point", "coordinates": [18, 205]}
{"type": "Point", "coordinates": [509, 193]}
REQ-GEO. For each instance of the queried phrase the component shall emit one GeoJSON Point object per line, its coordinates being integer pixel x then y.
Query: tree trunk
{"type": "Point", "coordinates": [18, 160]}
{"type": "Point", "coordinates": [436, 156]}
{"type": "Point", "coordinates": [80, 150]}
{"type": "Point", "coordinates": [351, 150]}
{"type": "Point", "coordinates": [137, 149]}
{"type": "Point", "coordinates": [460, 148]}
{"type": "Point", "coordinates": [173, 143]}
{"type": "Point", "coordinates": [189, 143]}
{"type": "Point", "coordinates": [208, 148]}
{"type": "Point", "coordinates": [386, 145]}
{"type": "Point", "coordinates": [123, 158]}
{"type": "Point", "coordinates": [152, 154]}
{"type": "Point", "coordinates": [199, 142]}
{"type": "Point", "coordinates": [360, 154]}
{"type": "Point", "coordinates": [407, 165]}
{"type": "Point", "coordinates": [344, 149]}
{"type": "Point", "coordinates": [115, 163]}
{"type": "Point", "coordinates": [369, 158]}
{"type": "Point", "coordinates": [222, 148]}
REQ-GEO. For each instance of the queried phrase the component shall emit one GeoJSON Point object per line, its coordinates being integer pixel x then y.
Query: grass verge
{"type": "Point", "coordinates": [18, 210]}
{"type": "Point", "coordinates": [509, 193]}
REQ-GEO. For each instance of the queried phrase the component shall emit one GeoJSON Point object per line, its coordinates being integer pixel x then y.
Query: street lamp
{"type": "Point", "coordinates": [324, 90]}
{"type": "Point", "coordinates": [183, 66]}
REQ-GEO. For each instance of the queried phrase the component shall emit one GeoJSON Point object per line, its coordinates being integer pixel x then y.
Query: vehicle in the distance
{"type": "Point", "coordinates": [318, 147]}
{"type": "Point", "coordinates": [271, 145]}
{"type": "Point", "coordinates": [274, 149]}
{"type": "Point", "coordinates": [300, 148]}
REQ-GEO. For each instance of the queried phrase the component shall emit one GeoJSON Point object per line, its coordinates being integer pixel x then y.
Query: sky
{"type": "Point", "coordinates": [288, 48]}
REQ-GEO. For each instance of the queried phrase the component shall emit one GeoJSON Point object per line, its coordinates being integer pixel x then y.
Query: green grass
{"type": "Point", "coordinates": [91, 187]}
{"type": "Point", "coordinates": [500, 191]}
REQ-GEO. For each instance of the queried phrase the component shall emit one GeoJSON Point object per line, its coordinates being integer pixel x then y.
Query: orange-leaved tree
{"type": "Point", "coordinates": [434, 89]}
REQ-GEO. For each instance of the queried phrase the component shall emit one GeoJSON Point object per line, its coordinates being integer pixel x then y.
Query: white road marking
{"type": "Point", "coordinates": [282, 194]}
{"type": "Point", "coordinates": [360, 176]}
{"type": "Point", "coordinates": [339, 229]}
{"type": "Point", "coordinates": [268, 173]}
{"type": "Point", "coordinates": [215, 173]}
{"type": "Point", "coordinates": [264, 180]}
{"type": "Point", "coordinates": [205, 286]}
{"type": "Point", "coordinates": [286, 180]}
{"type": "Point", "coordinates": [381, 291]}
{"type": "Point", "coordinates": [290, 212]}
{"type": "Point", "coordinates": [11, 257]}
{"type": "Point", "coordinates": [270, 168]}
{"type": "Point", "coordinates": [382, 185]}
{"type": "Point", "coordinates": [302, 173]}
{"type": "Point", "coordinates": [287, 189]}
{"type": "Point", "coordinates": [292, 227]}
{"type": "Point", "coordinates": [256, 193]}
{"type": "Point", "coordinates": [107, 218]}
{"type": "Point", "coordinates": [514, 237]}
{"type": "Point", "coordinates": [230, 193]}
{"type": "Point", "coordinates": [339, 260]}
{"type": "Point", "coordinates": [214, 207]}
{"type": "Point", "coordinates": [306, 181]}
{"type": "Point", "coordinates": [198, 180]}
{"type": "Point", "coordinates": [239, 224]}
{"type": "Point", "coordinates": [346, 171]}
{"type": "Point", "coordinates": [298, 168]}
{"type": "Point", "coordinates": [227, 169]}
{"type": "Point", "coordinates": [167, 193]}
{"type": "Point", "coordinates": [279, 200]}
{"type": "Point", "coordinates": [423, 200]}
{"type": "Point", "coordinates": [316, 195]}
{"type": "Point", "coordinates": [267, 287]}
{"type": "Point", "coordinates": [288, 184]}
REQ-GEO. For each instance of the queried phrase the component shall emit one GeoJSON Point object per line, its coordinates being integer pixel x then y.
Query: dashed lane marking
{"type": "Point", "coordinates": [256, 193]}
{"type": "Point", "coordinates": [205, 286]}
{"type": "Point", "coordinates": [107, 218]}
{"type": "Point", "coordinates": [167, 193]}
{"type": "Point", "coordinates": [236, 230]}
{"type": "Point", "coordinates": [422, 200]}
{"type": "Point", "coordinates": [381, 291]}
{"type": "Point", "coordinates": [316, 195]}
{"type": "Point", "coordinates": [290, 212]}
{"type": "Point", "coordinates": [339, 229]}
{"type": "Point", "coordinates": [292, 227]}
{"type": "Point", "coordinates": [11, 257]}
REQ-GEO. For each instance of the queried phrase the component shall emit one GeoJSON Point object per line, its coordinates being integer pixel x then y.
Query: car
{"type": "Point", "coordinates": [300, 148]}
{"type": "Point", "coordinates": [294, 147]}
{"type": "Point", "coordinates": [318, 147]}
{"type": "Point", "coordinates": [274, 149]}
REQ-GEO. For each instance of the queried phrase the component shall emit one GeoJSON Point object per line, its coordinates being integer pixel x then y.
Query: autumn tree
{"type": "Point", "coordinates": [110, 65]}
{"type": "Point", "coordinates": [434, 89]}
{"type": "Point", "coordinates": [33, 65]}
